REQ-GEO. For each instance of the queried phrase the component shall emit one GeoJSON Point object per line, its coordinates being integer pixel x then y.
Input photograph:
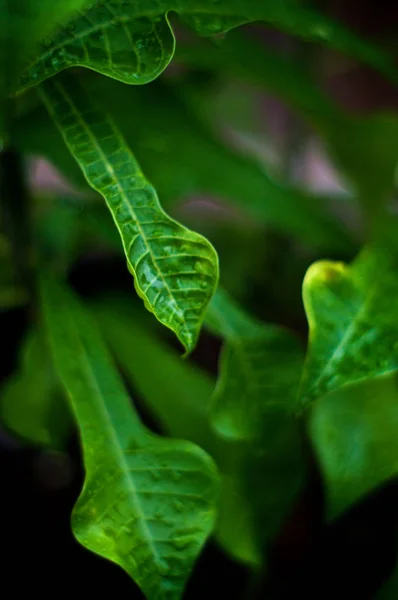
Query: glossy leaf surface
{"type": "Point", "coordinates": [32, 405]}
{"type": "Point", "coordinates": [175, 270]}
{"type": "Point", "coordinates": [148, 503]}
{"type": "Point", "coordinates": [354, 432]}
{"type": "Point", "coordinates": [111, 37]}
{"type": "Point", "coordinates": [351, 314]}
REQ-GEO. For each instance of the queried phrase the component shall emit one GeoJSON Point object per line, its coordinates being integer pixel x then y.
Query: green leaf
{"type": "Point", "coordinates": [31, 404]}
{"type": "Point", "coordinates": [175, 270]}
{"type": "Point", "coordinates": [255, 402]}
{"type": "Point", "coordinates": [259, 370]}
{"type": "Point", "coordinates": [23, 23]}
{"type": "Point", "coordinates": [365, 149]}
{"type": "Point", "coordinates": [351, 312]}
{"type": "Point", "coordinates": [354, 433]}
{"type": "Point", "coordinates": [111, 37]}
{"type": "Point", "coordinates": [148, 503]}
{"type": "Point", "coordinates": [258, 480]}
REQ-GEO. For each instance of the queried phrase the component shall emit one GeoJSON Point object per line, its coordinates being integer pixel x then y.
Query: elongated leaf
{"type": "Point", "coordinates": [351, 312]}
{"type": "Point", "coordinates": [178, 396]}
{"type": "Point", "coordinates": [259, 370]}
{"type": "Point", "coordinates": [31, 404]}
{"type": "Point", "coordinates": [180, 157]}
{"type": "Point", "coordinates": [259, 481]}
{"type": "Point", "coordinates": [112, 37]}
{"type": "Point", "coordinates": [148, 503]}
{"type": "Point", "coordinates": [354, 432]}
{"type": "Point", "coordinates": [175, 270]}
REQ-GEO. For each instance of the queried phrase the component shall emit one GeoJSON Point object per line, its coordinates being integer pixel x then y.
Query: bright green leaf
{"type": "Point", "coordinates": [175, 270]}
{"type": "Point", "coordinates": [351, 312]}
{"type": "Point", "coordinates": [112, 37]}
{"type": "Point", "coordinates": [148, 503]}
{"type": "Point", "coordinates": [354, 433]}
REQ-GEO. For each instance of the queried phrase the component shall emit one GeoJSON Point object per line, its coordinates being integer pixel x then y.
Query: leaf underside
{"type": "Point", "coordinates": [175, 270]}
{"type": "Point", "coordinates": [148, 503]}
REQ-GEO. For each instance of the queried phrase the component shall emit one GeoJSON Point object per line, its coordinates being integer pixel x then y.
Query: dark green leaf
{"type": "Point", "coordinates": [31, 404]}
{"type": "Point", "coordinates": [354, 432]}
{"type": "Point", "coordinates": [148, 503]}
{"type": "Point", "coordinates": [351, 312]}
{"type": "Point", "coordinates": [259, 370]}
{"type": "Point", "coordinates": [175, 270]}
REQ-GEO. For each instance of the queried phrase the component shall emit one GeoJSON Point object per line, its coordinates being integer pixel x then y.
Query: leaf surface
{"type": "Point", "coordinates": [178, 395]}
{"type": "Point", "coordinates": [175, 270]}
{"type": "Point", "coordinates": [354, 433]}
{"type": "Point", "coordinates": [148, 503]}
{"type": "Point", "coordinates": [111, 37]}
{"type": "Point", "coordinates": [351, 314]}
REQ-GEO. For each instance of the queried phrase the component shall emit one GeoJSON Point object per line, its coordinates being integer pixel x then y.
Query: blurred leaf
{"type": "Point", "coordinates": [364, 148]}
{"type": "Point", "coordinates": [113, 37]}
{"type": "Point", "coordinates": [255, 401]}
{"type": "Point", "coordinates": [354, 432]}
{"type": "Point", "coordinates": [31, 403]}
{"type": "Point", "coordinates": [148, 503]}
{"type": "Point", "coordinates": [351, 312]}
{"type": "Point", "coordinates": [390, 589]}
{"type": "Point", "coordinates": [259, 368]}
{"type": "Point", "coordinates": [175, 270]}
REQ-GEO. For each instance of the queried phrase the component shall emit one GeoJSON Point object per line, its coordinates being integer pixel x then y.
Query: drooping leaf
{"type": "Point", "coordinates": [148, 503]}
{"type": "Point", "coordinates": [175, 270]}
{"type": "Point", "coordinates": [31, 403]}
{"type": "Point", "coordinates": [259, 370]}
{"type": "Point", "coordinates": [351, 315]}
{"type": "Point", "coordinates": [354, 433]}
{"type": "Point", "coordinates": [181, 158]}
{"type": "Point", "coordinates": [259, 481]}
{"type": "Point", "coordinates": [111, 37]}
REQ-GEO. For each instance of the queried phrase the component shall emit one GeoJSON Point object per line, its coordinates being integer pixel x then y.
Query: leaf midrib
{"type": "Point", "coordinates": [118, 451]}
